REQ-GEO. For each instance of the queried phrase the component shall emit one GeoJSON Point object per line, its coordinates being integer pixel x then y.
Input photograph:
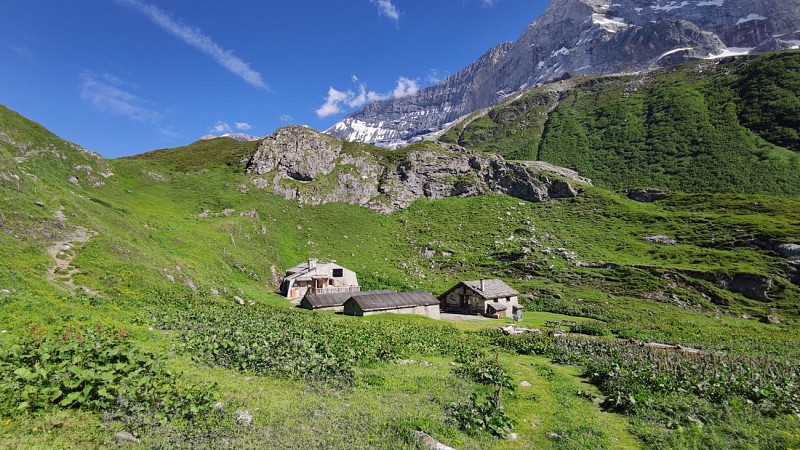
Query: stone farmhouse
{"type": "Point", "coordinates": [371, 303]}
{"type": "Point", "coordinates": [314, 277]}
{"type": "Point", "coordinates": [490, 298]}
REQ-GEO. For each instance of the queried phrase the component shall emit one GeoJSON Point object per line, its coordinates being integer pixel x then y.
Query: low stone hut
{"type": "Point", "coordinates": [491, 298]}
{"type": "Point", "coordinates": [332, 302]}
{"type": "Point", "coordinates": [422, 303]}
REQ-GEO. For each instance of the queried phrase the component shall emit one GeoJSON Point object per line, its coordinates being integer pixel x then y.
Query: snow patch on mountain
{"type": "Point", "coordinates": [730, 51]}
{"type": "Point", "coordinates": [244, 137]}
{"type": "Point", "coordinates": [670, 6]}
{"type": "Point", "coordinates": [750, 18]}
{"type": "Point", "coordinates": [683, 49]}
{"type": "Point", "coordinates": [610, 24]}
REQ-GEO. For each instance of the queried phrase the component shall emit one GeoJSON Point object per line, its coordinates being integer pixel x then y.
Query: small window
{"type": "Point", "coordinates": [338, 273]}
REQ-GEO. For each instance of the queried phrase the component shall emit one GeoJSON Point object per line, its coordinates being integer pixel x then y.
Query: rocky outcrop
{"type": "Point", "coordinates": [301, 164]}
{"type": "Point", "coordinates": [582, 37]}
{"type": "Point", "coordinates": [791, 251]}
{"type": "Point", "coordinates": [647, 195]}
{"type": "Point", "coordinates": [749, 285]}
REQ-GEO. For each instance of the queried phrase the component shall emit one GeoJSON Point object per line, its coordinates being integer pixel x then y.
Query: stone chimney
{"type": "Point", "coordinates": [312, 264]}
{"type": "Point", "coordinates": [482, 285]}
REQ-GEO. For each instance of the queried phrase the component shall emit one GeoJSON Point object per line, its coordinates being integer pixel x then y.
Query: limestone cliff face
{"type": "Point", "coordinates": [582, 37]}
{"type": "Point", "coordinates": [301, 164]}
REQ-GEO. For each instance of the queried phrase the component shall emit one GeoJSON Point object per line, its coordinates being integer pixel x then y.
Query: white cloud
{"type": "Point", "coordinates": [337, 100]}
{"type": "Point", "coordinates": [243, 126]}
{"type": "Point", "coordinates": [387, 9]}
{"type": "Point", "coordinates": [433, 77]}
{"type": "Point", "coordinates": [220, 127]}
{"type": "Point", "coordinates": [350, 98]}
{"type": "Point", "coordinates": [285, 118]}
{"type": "Point", "coordinates": [489, 3]}
{"type": "Point", "coordinates": [168, 132]}
{"type": "Point", "coordinates": [405, 87]}
{"type": "Point", "coordinates": [200, 41]}
{"type": "Point", "coordinates": [106, 94]}
{"type": "Point", "coordinates": [22, 51]}
{"type": "Point", "coordinates": [331, 105]}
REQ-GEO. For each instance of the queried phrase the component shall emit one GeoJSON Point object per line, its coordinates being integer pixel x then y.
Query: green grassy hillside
{"type": "Point", "coordinates": [725, 126]}
{"type": "Point", "coordinates": [156, 247]}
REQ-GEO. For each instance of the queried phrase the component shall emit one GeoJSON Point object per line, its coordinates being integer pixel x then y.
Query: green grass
{"type": "Point", "coordinates": [723, 127]}
{"type": "Point", "coordinates": [153, 252]}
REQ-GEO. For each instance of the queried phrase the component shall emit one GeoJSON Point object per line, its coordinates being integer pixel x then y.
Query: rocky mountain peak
{"type": "Point", "coordinates": [582, 37]}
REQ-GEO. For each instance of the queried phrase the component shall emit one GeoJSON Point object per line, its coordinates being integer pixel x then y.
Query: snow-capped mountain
{"type": "Point", "coordinates": [582, 37]}
{"type": "Point", "coordinates": [237, 136]}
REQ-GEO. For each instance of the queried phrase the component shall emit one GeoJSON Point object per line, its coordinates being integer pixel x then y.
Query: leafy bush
{"type": "Point", "coordinates": [484, 370]}
{"type": "Point", "coordinates": [678, 389]}
{"type": "Point", "coordinates": [299, 344]}
{"type": "Point", "coordinates": [474, 416]}
{"type": "Point", "coordinates": [94, 369]}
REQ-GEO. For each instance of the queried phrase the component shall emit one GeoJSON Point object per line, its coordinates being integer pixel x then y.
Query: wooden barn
{"type": "Point", "coordinates": [422, 303]}
{"type": "Point", "coordinates": [491, 298]}
{"type": "Point", "coordinates": [315, 277]}
{"type": "Point", "coordinates": [332, 302]}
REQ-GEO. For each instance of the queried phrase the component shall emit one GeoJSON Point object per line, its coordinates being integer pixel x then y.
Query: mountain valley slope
{"type": "Point", "coordinates": [178, 233]}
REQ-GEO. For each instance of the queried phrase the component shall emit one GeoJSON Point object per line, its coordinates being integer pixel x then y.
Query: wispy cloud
{"type": "Point", "coordinates": [387, 9]}
{"type": "Point", "coordinates": [242, 126]}
{"type": "Point", "coordinates": [22, 51]}
{"type": "Point", "coordinates": [285, 118]}
{"type": "Point", "coordinates": [168, 132]}
{"type": "Point", "coordinates": [489, 3]}
{"type": "Point", "coordinates": [433, 77]}
{"type": "Point", "coordinates": [337, 101]}
{"type": "Point", "coordinates": [195, 38]}
{"type": "Point", "coordinates": [405, 87]}
{"type": "Point", "coordinates": [220, 127]}
{"type": "Point", "coordinates": [106, 93]}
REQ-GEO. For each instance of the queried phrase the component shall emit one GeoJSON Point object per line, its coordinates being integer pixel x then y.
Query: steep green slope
{"type": "Point", "coordinates": [203, 154]}
{"type": "Point", "coordinates": [721, 126]}
{"type": "Point", "coordinates": [161, 248]}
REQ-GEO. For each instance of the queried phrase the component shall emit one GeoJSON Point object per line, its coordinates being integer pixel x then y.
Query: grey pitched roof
{"type": "Point", "coordinates": [391, 300]}
{"type": "Point", "coordinates": [336, 299]}
{"type": "Point", "coordinates": [491, 288]}
{"type": "Point", "coordinates": [303, 272]}
{"type": "Point", "coordinates": [497, 306]}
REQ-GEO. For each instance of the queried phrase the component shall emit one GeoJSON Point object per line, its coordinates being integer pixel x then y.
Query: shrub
{"type": "Point", "coordinates": [94, 369]}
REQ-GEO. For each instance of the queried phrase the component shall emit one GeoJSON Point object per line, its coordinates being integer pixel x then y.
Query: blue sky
{"type": "Point", "coordinates": [122, 77]}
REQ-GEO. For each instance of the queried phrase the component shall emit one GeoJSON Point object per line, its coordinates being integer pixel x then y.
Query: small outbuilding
{"type": "Point", "coordinates": [316, 277]}
{"type": "Point", "coordinates": [332, 302]}
{"type": "Point", "coordinates": [491, 298]}
{"type": "Point", "coordinates": [367, 304]}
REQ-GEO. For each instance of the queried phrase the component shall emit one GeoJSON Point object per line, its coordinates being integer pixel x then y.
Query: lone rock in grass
{"type": "Point", "coordinates": [427, 442]}
{"type": "Point", "coordinates": [243, 418]}
{"type": "Point", "coordinates": [647, 195]}
{"type": "Point", "coordinates": [124, 436]}
{"type": "Point", "coordinates": [660, 239]}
